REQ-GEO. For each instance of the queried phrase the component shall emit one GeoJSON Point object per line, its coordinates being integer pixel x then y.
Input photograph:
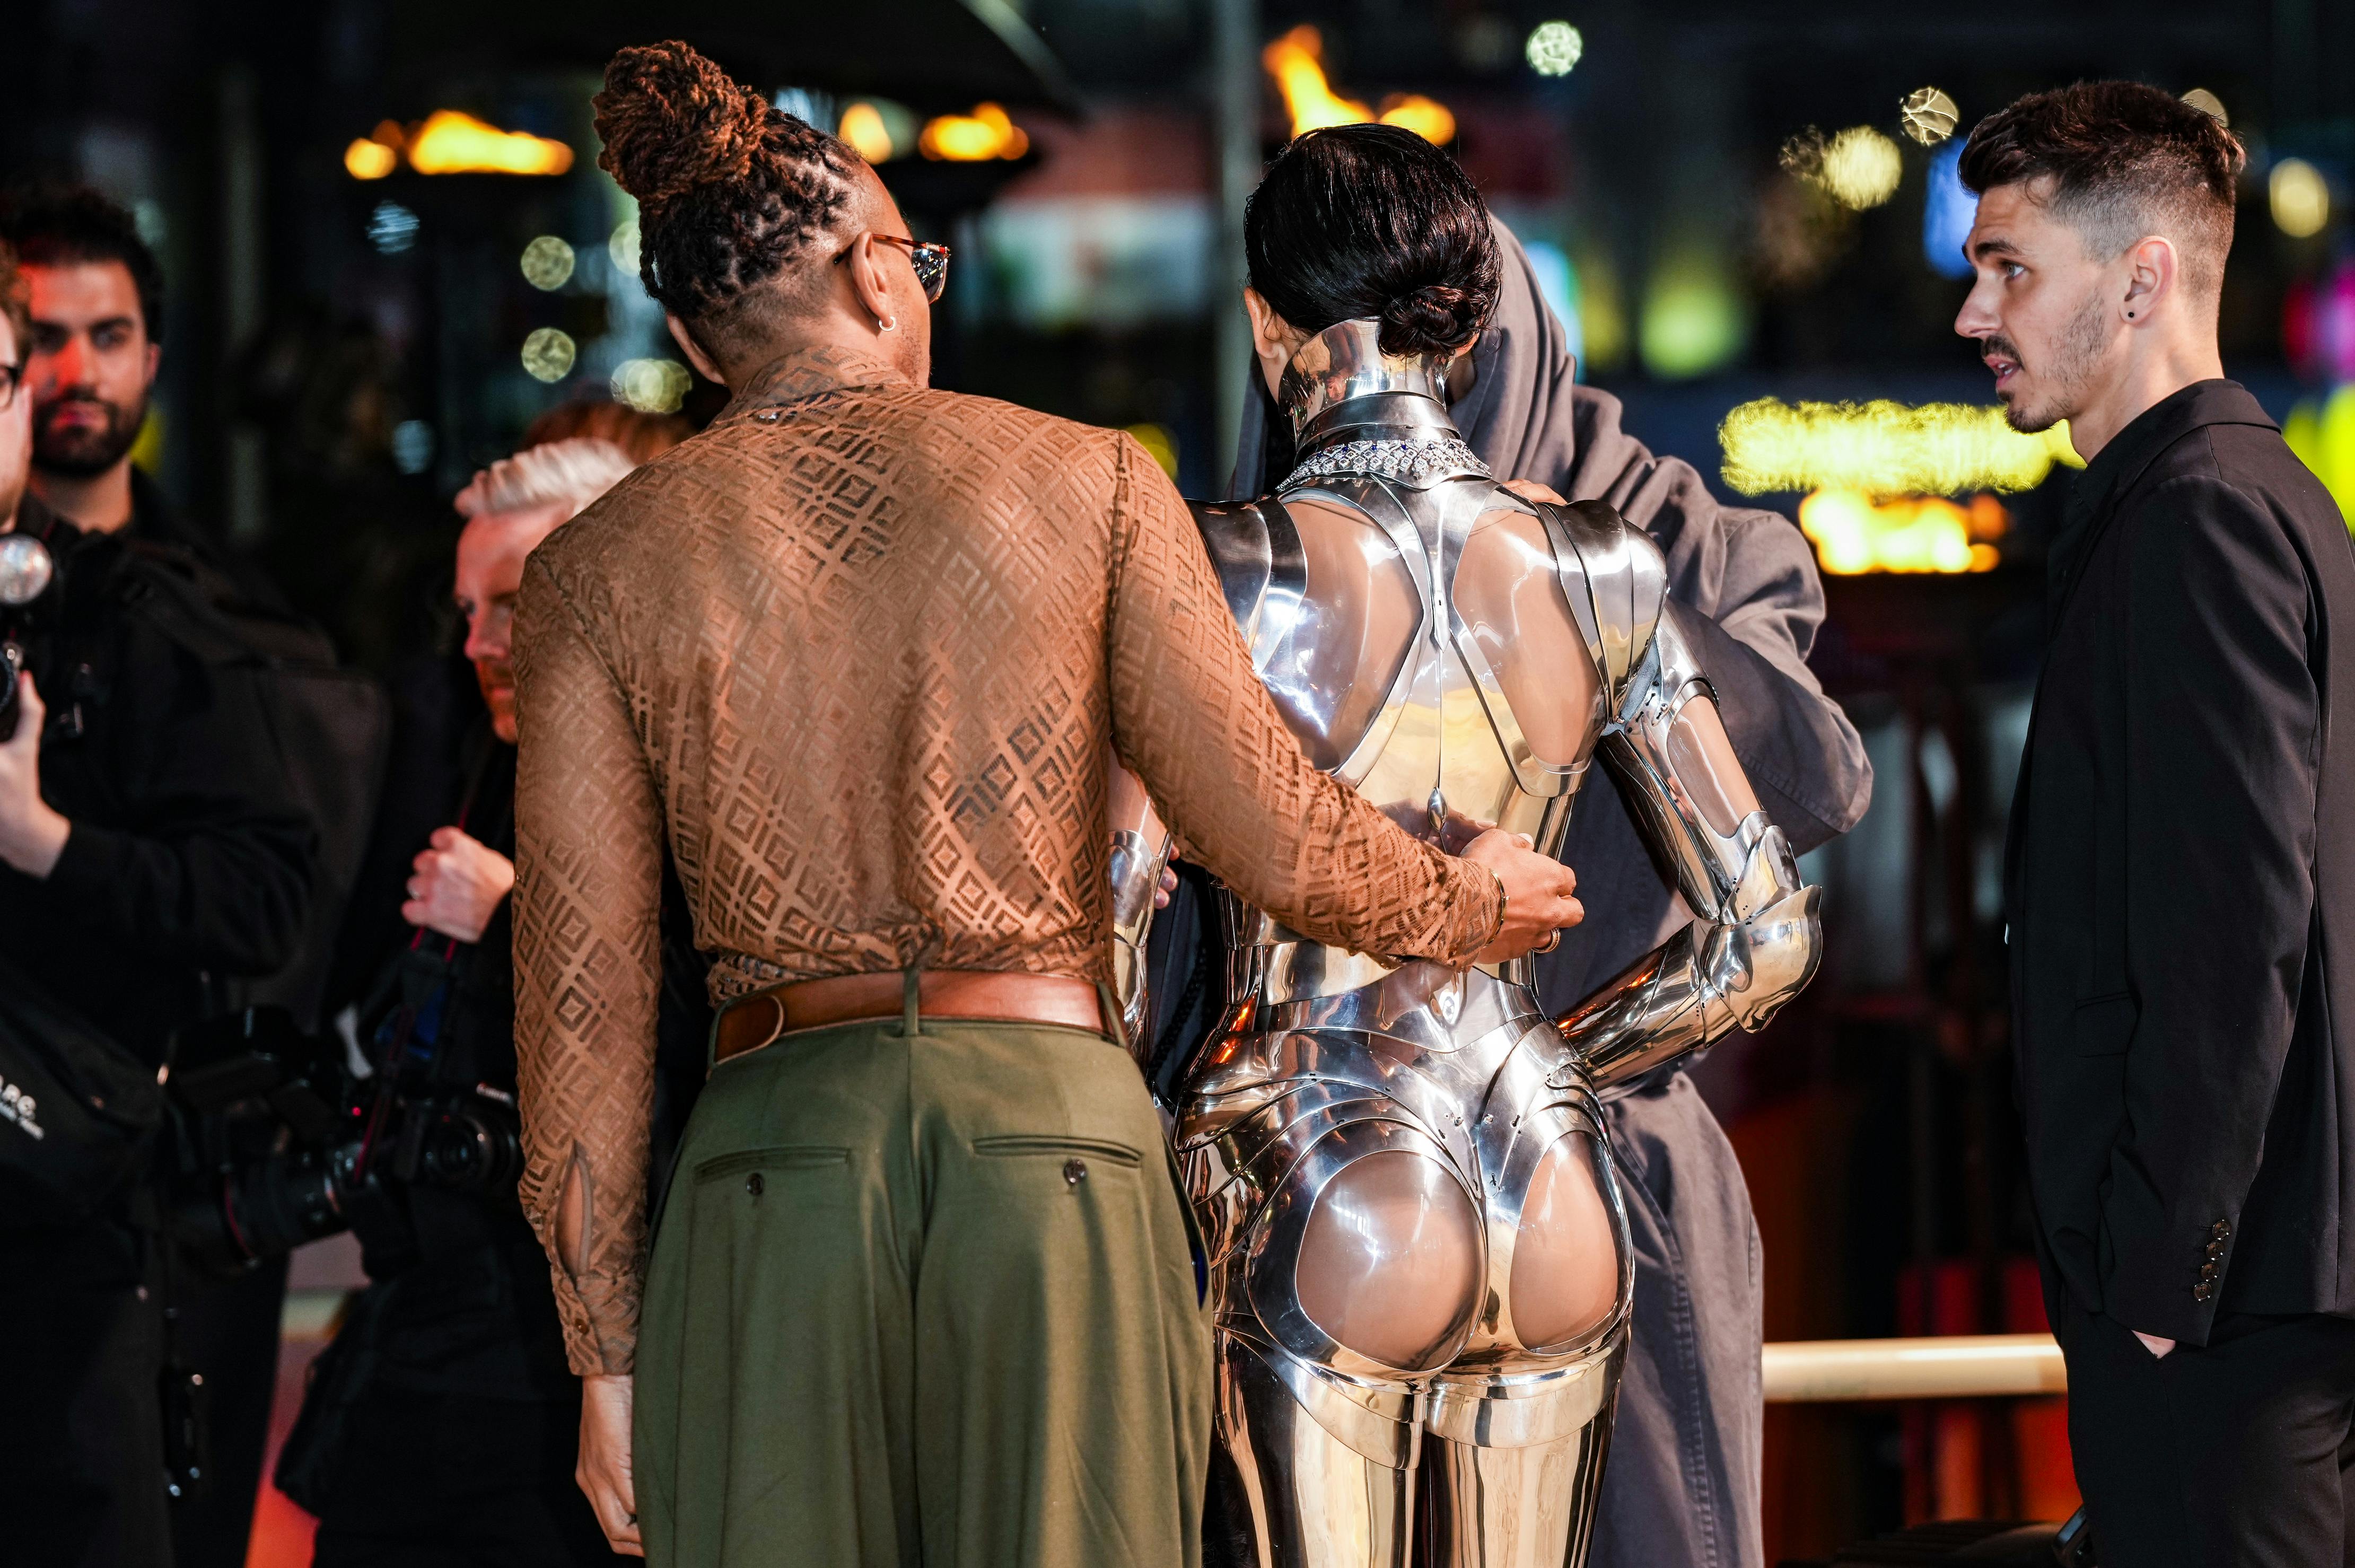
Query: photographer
{"type": "Point", "coordinates": [441, 1426]}
{"type": "Point", "coordinates": [144, 858]}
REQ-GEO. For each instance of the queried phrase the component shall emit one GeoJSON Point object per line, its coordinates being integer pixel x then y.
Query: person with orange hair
{"type": "Point", "coordinates": [861, 655]}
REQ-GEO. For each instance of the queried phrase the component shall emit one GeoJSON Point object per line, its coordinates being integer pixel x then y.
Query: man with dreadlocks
{"type": "Point", "coordinates": [862, 652]}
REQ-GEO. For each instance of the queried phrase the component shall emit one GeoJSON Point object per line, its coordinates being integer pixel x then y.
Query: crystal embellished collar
{"type": "Point", "coordinates": [1416, 462]}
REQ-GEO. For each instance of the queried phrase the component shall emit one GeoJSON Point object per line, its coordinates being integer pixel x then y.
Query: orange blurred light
{"type": "Point", "coordinates": [369, 160]}
{"type": "Point", "coordinates": [1296, 62]}
{"type": "Point", "coordinates": [1853, 534]}
{"type": "Point", "coordinates": [451, 143]}
{"type": "Point", "coordinates": [1426, 117]}
{"type": "Point", "coordinates": [974, 138]}
{"type": "Point", "coordinates": [863, 128]}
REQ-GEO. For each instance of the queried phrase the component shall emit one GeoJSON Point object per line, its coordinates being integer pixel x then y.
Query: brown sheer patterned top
{"type": "Point", "coordinates": [863, 650]}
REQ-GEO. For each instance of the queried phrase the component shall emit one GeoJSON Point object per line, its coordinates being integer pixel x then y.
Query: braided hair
{"type": "Point", "coordinates": [731, 191]}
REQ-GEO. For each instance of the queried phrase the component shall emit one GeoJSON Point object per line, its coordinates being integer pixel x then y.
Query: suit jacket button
{"type": "Point", "coordinates": [2220, 1229]}
{"type": "Point", "coordinates": [2208, 1270]}
{"type": "Point", "coordinates": [2203, 1291]}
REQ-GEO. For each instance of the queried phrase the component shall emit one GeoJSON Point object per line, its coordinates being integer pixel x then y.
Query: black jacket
{"type": "Point", "coordinates": [189, 858]}
{"type": "Point", "coordinates": [462, 1303]}
{"type": "Point", "coordinates": [2181, 882]}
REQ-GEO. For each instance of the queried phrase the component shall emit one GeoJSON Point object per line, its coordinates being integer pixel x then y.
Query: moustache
{"type": "Point", "coordinates": [2003, 346]}
{"type": "Point", "coordinates": [77, 398]}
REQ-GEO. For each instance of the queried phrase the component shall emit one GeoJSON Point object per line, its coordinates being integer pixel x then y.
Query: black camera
{"type": "Point", "coordinates": [286, 1142]}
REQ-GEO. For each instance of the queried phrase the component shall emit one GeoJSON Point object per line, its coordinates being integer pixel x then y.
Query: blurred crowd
{"type": "Point", "coordinates": [255, 984]}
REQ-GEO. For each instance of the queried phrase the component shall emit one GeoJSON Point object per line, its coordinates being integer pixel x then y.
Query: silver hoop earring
{"type": "Point", "coordinates": [883, 324]}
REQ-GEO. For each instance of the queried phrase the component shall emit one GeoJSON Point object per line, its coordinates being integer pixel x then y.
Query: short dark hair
{"type": "Point", "coordinates": [14, 302]}
{"type": "Point", "coordinates": [61, 225]}
{"type": "Point", "coordinates": [2124, 160]}
{"type": "Point", "coordinates": [1372, 220]}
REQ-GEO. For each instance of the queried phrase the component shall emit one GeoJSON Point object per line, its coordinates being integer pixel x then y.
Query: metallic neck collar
{"type": "Point", "coordinates": [1346, 362]}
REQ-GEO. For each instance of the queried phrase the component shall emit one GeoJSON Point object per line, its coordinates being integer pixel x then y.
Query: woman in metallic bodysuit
{"type": "Point", "coordinates": [1416, 1247]}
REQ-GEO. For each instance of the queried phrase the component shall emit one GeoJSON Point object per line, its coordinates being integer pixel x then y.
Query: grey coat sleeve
{"type": "Point", "coordinates": [1751, 573]}
{"type": "Point", "coordinates": [1803, 755]}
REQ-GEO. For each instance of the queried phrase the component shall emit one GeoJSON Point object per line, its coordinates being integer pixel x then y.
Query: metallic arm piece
{"type": "Point", "coordinates": [1757, 939]}
{"type": "Point", "coordinates": [1140, 852]}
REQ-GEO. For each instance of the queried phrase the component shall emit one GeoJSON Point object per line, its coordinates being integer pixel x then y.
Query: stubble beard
{"type": "Point", "coordinates": [2075, 356]}
{"type": "Point", "coordinates": [86, 454]}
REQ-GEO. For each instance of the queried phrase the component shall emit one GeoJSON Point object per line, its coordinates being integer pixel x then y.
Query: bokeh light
{"type": "Point", "coordinates": [1854, 534]}
{"type": "Point", "coordinates": [548, 262]}
{"type": "Point", "coordinates": [1928, 115]}
{"type": "Point", "coordinates": [367, 159]}
{"type": "Point", "coordinates": [975, 138]}
{"type": "Point", "coordinates": [1948, 209]}
{"type": "Point", "coordinates": [1426, 117]}
{"type": "Point", "coordinates": [2322, 434]}
{"type": "Point", "coordinates": [1860, 167]}
{"type": "Point", "coordinates": [1885, 448]}
{"type": "Point", "coordinates": [1554, 48]}
{"type": "Point", "coordinates": [622, 247]}
{"type": "Point", "coordinates": [1296, 62]}
{"type": "Point", "coordinates": [549, 354]}
{"type": "Point", "coordinates": [1160, 445]}
{"type": "Point", "coordinates": [1693, 320]}
{"type": "Point", "coordinates": [2300, 198]}
{"type": "Point", "coordinates": [862, 126]}
{"type": "Point", "coordinates": [451, 143]}
{"type": "Point", "coordinates": [2208, 103]}
{"type": "Point", "coordinates": [651, 386]}
{"type": "Point", "coordinates": [391, 228]}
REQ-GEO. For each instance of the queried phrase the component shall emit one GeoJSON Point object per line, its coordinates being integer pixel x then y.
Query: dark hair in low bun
{"type": "Point", "coordinates": [1372, 220]}
{"type": "Point", "coordinates": [731, 191]}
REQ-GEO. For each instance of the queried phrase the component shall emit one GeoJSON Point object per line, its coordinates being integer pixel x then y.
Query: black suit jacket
{"type": "Point", "coordinates": [2181, 882]}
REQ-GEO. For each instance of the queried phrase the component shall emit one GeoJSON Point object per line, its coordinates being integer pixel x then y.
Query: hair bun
{"type": "Point", "coordinates": [672, 120]}
{"type": "Point", "coordinates": [1435, 319]}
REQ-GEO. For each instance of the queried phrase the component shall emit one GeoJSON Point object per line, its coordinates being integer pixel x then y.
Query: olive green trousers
{"type": "Point", "coordinates": [925, 1299]}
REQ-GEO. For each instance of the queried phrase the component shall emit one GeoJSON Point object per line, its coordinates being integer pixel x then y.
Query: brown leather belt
{"type": "Point", "coordinates": [754, 1021]}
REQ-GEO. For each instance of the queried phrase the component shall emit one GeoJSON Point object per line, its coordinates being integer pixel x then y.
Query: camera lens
{"type": "Point", "coordinates": [471, 1145]}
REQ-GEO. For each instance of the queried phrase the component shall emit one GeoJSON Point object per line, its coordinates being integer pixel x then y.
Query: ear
{"type": "Point", "coordinates": [864, 261]}
{"type": "Point", "coordinates": [1270, 333]}
{"type": "Point", "coordinates": [2152, 274]}
{"type": "Point", "coordinates": [154, 358]}
{"type": "Point", "coordinates": [1273, 340]}
{"type": "Point", "coordinates": [682, 335]}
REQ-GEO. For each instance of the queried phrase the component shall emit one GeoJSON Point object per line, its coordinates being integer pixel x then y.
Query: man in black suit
{"type": "Point", "coordinates": [2180, 879]}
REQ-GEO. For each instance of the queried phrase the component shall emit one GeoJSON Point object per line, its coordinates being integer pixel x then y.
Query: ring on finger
{"type": "Point", "coordinates": [1553, 941]}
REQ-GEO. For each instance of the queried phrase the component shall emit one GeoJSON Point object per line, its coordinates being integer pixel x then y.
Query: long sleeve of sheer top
{"type": "Point", "coordinates": [858, 652]}
{"type": "Point", "coordinates": [1191, 717]}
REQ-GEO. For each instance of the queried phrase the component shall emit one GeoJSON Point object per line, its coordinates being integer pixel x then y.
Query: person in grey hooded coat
{"type": "Point", "coordinates": [1682, 1484]}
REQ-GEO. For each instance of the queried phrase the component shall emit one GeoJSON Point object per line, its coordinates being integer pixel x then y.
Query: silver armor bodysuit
{"type": "Point", "coordinates": [1417, 1249]}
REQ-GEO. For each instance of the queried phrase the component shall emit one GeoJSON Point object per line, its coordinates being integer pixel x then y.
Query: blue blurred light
{"type": "Point", "coordinates": [1558, 285]}
{"type": "Point", "coordinates": [1946, 214]}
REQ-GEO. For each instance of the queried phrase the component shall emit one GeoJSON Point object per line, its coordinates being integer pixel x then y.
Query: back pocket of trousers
{"type": "Point", "coordinates": [1018, 1145]}
{"type": "Point", "coordinates": [782, 1156]}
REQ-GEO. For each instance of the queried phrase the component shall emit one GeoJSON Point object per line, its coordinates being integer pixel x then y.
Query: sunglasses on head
{"type": "Point", "coordinates": [930, 259]}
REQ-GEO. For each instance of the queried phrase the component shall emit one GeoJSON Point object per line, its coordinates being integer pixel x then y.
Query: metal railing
{"type": "Point", "coordinates": [1959, 1366]}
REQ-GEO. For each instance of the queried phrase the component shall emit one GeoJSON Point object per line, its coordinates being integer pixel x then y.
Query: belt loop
{"type": "Point", "coordinates": [911, 982]}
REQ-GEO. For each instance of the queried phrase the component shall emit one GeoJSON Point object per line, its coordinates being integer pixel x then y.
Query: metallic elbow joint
{"type": "Point", "coordinates": [1732, 970]}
